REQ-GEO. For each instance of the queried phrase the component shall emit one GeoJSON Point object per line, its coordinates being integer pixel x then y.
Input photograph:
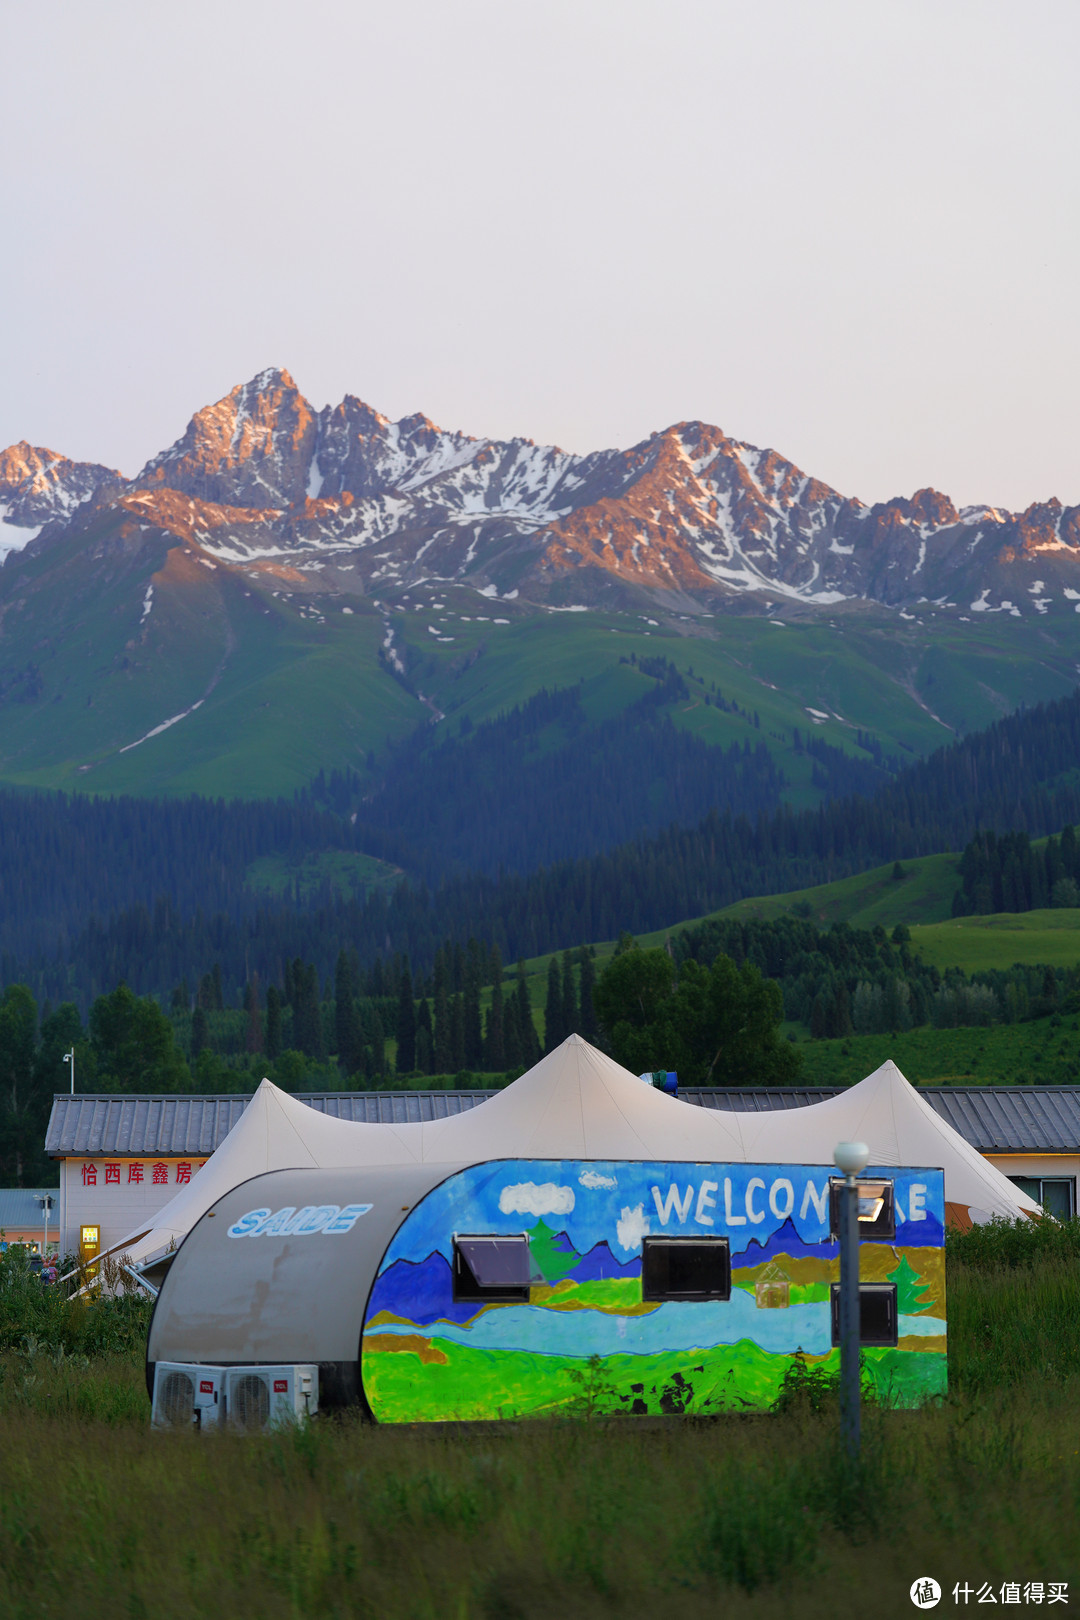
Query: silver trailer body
{"type": "Point", "coordinates": [232, 1300]}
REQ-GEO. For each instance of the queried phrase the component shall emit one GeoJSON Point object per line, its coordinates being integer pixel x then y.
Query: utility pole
{"type": "Point", "coordinates": [851, 1158]}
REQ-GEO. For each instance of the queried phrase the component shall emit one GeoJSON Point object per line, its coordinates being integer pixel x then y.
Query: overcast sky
{"type": "Point", "coordinates": [848, 229]}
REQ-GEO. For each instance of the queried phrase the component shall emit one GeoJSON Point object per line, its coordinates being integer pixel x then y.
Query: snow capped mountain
{"type": "Point", "coordinates": [264, 483]}
{"type": "Point", "coordinates": [38, 487]}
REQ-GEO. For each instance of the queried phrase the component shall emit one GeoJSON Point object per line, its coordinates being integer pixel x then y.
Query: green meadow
{"type": "Point", "coordinates": [260, 689]}
{"type": "Point", "coordinates": [755, 1516]}
{"type": "Point", "coordinates": [1044, 1051]}
{"type": "Point", "coordinates": [1001, 940]}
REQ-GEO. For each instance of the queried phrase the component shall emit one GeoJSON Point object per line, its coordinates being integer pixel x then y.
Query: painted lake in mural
{"type": "Point", "coordinates": [587, 1335]}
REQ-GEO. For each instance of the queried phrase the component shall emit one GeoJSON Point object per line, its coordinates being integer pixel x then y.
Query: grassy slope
{"type": "Point", "coordinates": [287, 687]}
{"type": "Point", "coordinates": [348, 873]}
{"type": "Point", "coordinates": [1043, 1052]}
{"type": "Point", "coordinates": [999, 941]}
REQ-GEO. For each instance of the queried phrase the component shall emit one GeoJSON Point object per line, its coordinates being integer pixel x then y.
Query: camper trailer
{"type": "Point", "coordinates": [434, 1291]}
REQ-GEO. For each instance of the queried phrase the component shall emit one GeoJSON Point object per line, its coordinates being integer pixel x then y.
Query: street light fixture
{"type": "Point", "coordinates": [851, 1158]}
{"type": "Point", "coordinates": [45, 1200]}
{"type": "Point", "coordinates": [69, 1057]}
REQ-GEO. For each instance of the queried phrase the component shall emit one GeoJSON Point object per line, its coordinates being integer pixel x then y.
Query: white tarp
{"type": "Point", "coordinates": [578, 1104]}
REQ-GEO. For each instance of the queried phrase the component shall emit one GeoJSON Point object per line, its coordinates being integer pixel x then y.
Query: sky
{"type": "Point", "coordinates": [848, 231]}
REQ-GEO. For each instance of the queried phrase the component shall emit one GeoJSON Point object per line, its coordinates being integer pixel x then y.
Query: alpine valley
{"type": "Point", "coordinates": [288, 590]}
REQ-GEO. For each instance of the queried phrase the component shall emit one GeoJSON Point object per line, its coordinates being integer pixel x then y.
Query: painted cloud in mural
{"type": "Point", "coordinates": [527, 1198]}
{"type": "Point", "coordinates": [631, 1227]}
{"type": "Point", "coordinates": [593, 1179]}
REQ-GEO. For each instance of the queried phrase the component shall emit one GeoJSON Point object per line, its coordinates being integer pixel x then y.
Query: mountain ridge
{"type": "Point", "coordinates": [262, 480]}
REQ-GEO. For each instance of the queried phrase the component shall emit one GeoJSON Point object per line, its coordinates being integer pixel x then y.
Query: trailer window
{"type": "Point", "coordinates": [878, 1321]}
{"type": "Point", "coordinates": [686, 1268]}
{"type": "Point", "coordinates": [492, 1269]}
{"type": "Point", "coordinates": [877, 1218]}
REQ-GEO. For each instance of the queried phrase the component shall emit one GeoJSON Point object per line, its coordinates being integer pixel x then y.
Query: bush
{"type": "Point", "coordinates": [48, 1316]}
{"type": "Point", "coordinates": [1000, 1244]}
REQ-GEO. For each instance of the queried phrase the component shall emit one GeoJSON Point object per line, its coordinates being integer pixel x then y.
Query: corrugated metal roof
{"type": "Point", "coordinates": [994, 1119]}
{"type": "Point", "coordinates": [20, 1208]}
{"type": "Point", "coordinates": [393, 1107]}
{"type": "Point", "coordinates": [761, 1101]}
{"type": "Point", "coordinates": [88, 1126]}
{"type": "Point", "coordinates": [1002, 1119]}
{"type": "Point", "coordinates": [130, 1126]}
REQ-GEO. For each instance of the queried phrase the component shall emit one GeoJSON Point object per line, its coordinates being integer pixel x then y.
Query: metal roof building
{"type": "Point", "coordinates": [123, 1157]}
{"type": "Point", "coordinates": [994, 1119]}
{"type": "Point", "coordinates": [22, 1217]}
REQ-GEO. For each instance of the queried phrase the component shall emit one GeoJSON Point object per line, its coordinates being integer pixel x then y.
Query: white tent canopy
{"type": "Point", "coordinates": [578, 1104]}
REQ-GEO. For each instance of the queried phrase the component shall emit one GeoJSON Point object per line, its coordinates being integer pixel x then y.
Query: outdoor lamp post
{"type": "Point", "coordinates": [46, 1205]}
{"type": "Point", "coordinates": [851, 1158]}
{"type": "Point", "coordinates": [69, 1057]}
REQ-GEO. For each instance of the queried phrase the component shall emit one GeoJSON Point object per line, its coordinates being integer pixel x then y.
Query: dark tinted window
{"type": "Point", "coordinates": [877, 1219]}
{"type": "Point", "coordinates": [1058, 1198]}
{"type": "Point", "coordinates": [878, 1320]}
{"type": "Point", "coordinates": [685, 1268]}
{"type": "Point", "coordinates": [1056, 1194]}
{"type": "Point", "coordinates": [495, 1269]}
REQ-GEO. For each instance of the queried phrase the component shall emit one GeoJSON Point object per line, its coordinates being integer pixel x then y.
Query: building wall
{"type": "Point", "coordinates": [1036, 1164]}
{"type": "Point", "coordinates": [117, 1194]}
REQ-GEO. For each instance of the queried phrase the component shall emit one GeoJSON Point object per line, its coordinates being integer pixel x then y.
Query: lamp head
{"type": "Point", "coordinates": [851, 1157]}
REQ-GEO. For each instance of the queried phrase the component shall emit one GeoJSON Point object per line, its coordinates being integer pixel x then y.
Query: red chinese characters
{"type": "Point", "coordinates": [161, 1175]}
{"type": "Point", "coordinates": [112, 1175]}
{"type": "Point", "coordinates": [135, 1173]}
{"type": "Point", "coordinates": [89, 1175]}
{"type": "Point", "coordinates": [183, 1174]}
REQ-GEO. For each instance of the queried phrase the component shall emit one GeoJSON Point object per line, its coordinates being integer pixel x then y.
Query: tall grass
{"type": "Point", "coordinates": [758, 1516]}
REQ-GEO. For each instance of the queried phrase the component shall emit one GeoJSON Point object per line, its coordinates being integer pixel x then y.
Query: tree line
{"type": "Point", "coordinates": [1008, 873]}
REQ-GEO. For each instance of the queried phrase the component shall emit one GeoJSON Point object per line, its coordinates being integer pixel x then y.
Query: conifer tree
{"type": "Point", "coordinates": [444, 1037]}
{"type": "Point", "coordinates": [527, 1036]}
{"type": "Point", "coordinates": [587, 1026]}
{"type": "Point", "coordinates": [472, 1034]}
{"type": "Point", "coordinates": [425, 1043]}
{"type": "Point", "coordinates": [200, 1031]}
{"type": "Point", "coordinates": [273, 1024]}
{"type": "Point", "coordinates": [406, 1023]}
{"type": "Point", "coordinates": [251, 1005]}
{"type": "Point", "coordinates": [344, 1010]}
{"type": "Point", "coordinates": [378, 1044]}
{"type": "Point", "coordinates": [511, 1032]}
{"type": "Point", "coordinates": [554, 1025]}
{"type": "Point", "coordinates": [569, 996]}
{"type": "Point", "coordinates": [495, 1045]}
{"type": "Point", "coordinates": [457, 1032]}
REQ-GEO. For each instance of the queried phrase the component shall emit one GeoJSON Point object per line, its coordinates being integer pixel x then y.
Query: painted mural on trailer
{"type": "Point", "coordinates": [586, 1339]}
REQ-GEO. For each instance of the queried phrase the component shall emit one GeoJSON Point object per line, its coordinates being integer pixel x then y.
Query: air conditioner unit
{"type": "Point", "coordinates": [269, 1397]}
{"type": "Point", "coordinates": [188, 1396]}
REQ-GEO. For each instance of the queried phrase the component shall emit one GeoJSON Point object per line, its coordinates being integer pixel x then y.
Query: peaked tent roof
{"type": "Point", "coordinates": [900, 1128]}
{"type": "Point", "coordinates": [576, 1103]}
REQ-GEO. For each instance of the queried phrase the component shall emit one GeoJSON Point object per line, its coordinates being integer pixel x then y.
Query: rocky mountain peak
{"type": "Point", "coordinates": [254, 447]}
{"type": "Point", "coordinates": [39, 486]}
{"type": "Point", "coordinates": [262, 481]}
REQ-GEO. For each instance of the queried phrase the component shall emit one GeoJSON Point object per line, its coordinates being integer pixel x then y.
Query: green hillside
{"type": "Point", "coordinates": [1045, 1051]}
{"type": "Point", "coordinates": [980, 943]}
{"type": "Point", "coordinates": [215, 684]}
{"type": "Point", "coordinates": [922, 893]}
